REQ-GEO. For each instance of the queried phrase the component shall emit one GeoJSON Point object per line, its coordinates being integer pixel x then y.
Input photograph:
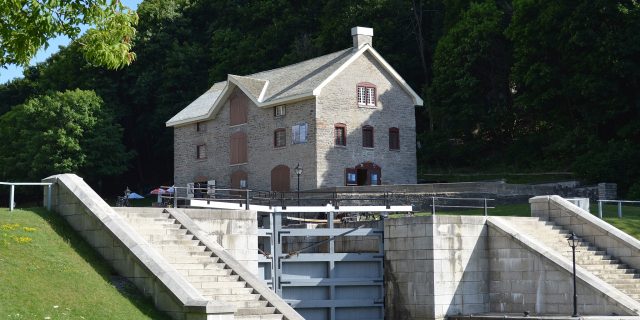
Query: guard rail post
{"type": "Point", "coordinates": [600, 209]}
{"type": "Point", "coordinates": [620, 209]}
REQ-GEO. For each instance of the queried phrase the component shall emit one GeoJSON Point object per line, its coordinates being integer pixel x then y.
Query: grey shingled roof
{"type": "Point", "coordinates": [285, 82]}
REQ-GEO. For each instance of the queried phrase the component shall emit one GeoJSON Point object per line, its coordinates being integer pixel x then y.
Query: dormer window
{"type": "Point", "coordinates": [366, 94]}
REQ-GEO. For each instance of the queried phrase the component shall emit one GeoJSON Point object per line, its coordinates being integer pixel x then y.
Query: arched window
{"type": "Point", "coordinates": [280, 138]}
{"type": "Point", "coordinates": [367, 136]}
{"type": "Point", "coordinates": [238, 148]}
{"type": "Point", "coordinates": [366, 94]}
{"type": "Point", "coordinates": [394, 138]}
{"type": "Point", "coordinates": [238, 109]}
{"type": "Point", "coordinates": [340, 134]}
{"type": "Point", "coordinates": [280, 178]}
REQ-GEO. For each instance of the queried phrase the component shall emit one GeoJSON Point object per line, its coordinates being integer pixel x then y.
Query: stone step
{"type": "Point", "coordinates": [255, 311]}
{"type": "Point", "coordinates": [200, 266]}
{"type": "Point", "coordinates": [152, 228]}
{"type": "Point", "coordinates": [171, 242]}
{"type": "Point", "coordinates": [180, 248]}
{"type": "Point", "coordinates": [212, 278]}
{"type": "Point", "coordinates": [234, 297]}
{"type": "Point", "coordinates": [189, 259]}
{"type": "Point", "coordinates": [217, 291]}
{"type": "Point", "coordinates": [222, 284]}
{"type": "Point", "coordinates": [140, 221]}
{"type": "Point", "coordinates": [273, 316]}
{"type": "Point", "coordinates": [144, 215]}
{"type": "Point", "coordinates": [205, 272]}
{"type": "Point", "coordinates": [188, 254]}
{"type": "Point", "coordinates": [153, 238]}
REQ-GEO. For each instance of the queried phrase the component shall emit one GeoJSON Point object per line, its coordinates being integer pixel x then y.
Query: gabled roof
{"type": "Point", "coordinates": [278, 86]}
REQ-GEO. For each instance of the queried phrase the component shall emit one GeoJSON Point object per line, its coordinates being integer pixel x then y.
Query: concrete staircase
{"type": "Point", "coordinates": [590, 258]}
{"type": "Point", "coordinates": [205, 271]}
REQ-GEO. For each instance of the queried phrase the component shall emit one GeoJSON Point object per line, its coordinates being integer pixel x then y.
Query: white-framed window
{"type": "Point", "coordinates": [201, 151]}
{"type": "Point", "coordinates": [366, 94]}
{"type": "Point", "coordinates": [279, 111]}
{"type": "Point", "coordinates": [299, 133]}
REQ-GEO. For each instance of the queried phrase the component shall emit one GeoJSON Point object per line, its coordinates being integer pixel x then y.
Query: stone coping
{"type": "Point", "coordinates": [258, 285]}
{"type": "Point", "coordinates": [610, 230]}
{"type": "Point", "coordinates": [179, 287]}
{"type": "Point", "coordinates": [587, 278]}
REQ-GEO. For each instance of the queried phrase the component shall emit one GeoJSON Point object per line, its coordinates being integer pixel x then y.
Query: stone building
{"type": "Point", "coordinates": [345, 118]}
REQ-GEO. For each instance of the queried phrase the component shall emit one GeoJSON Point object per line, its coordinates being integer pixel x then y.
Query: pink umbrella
{"type": "Point", "coordinates": [158, 191]}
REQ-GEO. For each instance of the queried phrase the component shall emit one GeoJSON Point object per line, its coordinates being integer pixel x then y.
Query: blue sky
{"type": "Point", "coordinates": [12, 71]}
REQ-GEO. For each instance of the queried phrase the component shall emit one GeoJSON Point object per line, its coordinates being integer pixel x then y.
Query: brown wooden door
{"type": "Point", "coordinates": [281, 178]}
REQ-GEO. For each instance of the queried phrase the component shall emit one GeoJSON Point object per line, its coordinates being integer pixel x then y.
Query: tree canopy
{"type": "Point", "coordinates": [28, 25]}
{"type": "Point", "coordinates": [61, 132]}
{"type": "Point", "coordinates": [509, 85]}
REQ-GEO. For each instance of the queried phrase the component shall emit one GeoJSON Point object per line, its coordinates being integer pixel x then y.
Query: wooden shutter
{"type": "Point", "coordinates": [238, 148]}
{"type": "Point", "coordinates": [367, 136]}
{"type": "Point", "coordinates": [238, 109]}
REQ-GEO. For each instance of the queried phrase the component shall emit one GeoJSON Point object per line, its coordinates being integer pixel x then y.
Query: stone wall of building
{"type": "Point", "coordinates": [262, 156]}
{"type": "Point", "coordinates": [338, 103]}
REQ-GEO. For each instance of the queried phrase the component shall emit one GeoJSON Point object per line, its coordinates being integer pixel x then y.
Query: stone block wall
{"type": "Point", "coordinates": [235, 230]}
{"type": "Point", "coordinates": [522, 280]}
{"type": "Point", "coordinates": [123, 249]}
{"type": "Point", "coordinates": [262, 156]}
{"type": "Point", "coordinates": [338, 103]}
{"type": "Point", "coordinates": [589, 227]}
{"type": "Point", "coordinates": [435, 266]}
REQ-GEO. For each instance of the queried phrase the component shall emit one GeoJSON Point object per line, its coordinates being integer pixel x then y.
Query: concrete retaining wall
{"type": "Point", "coordinates": [128, 253]}
{"type": "Point", "coordinates": [587, 226]}
{"type": "Point", "coordinates": [439, 266]}
{"type": "Point", "coordinates": [234, 230]}
{"type": "Point", "coordinates": [524, 276]}
{"type": "Point", "coordinates": [435, 266]}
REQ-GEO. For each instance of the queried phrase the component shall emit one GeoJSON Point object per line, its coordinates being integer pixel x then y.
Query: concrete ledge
{"type": "Point", "coordinates": [258, 285]}
{"type": "Point", "coordinates": [129, 253]}
{"type": "Point", "coordinates": [586, 279]}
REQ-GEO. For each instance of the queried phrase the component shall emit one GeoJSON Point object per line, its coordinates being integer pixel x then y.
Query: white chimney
{"type": "Point", "coordinates": [362, 36]}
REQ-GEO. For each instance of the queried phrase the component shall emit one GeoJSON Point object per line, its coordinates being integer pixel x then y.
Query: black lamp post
{"type": "Point", "coordinates": [127, 192]}
{"type": "Point", "coordinates": [298, 170]}
{"type": "Point", "coordinates": [573, 243]}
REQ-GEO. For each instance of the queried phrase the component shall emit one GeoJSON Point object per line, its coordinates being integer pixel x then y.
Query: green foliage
{"type": "Point", "coordinates": [60, 132]}
{"type": "Point", "coordinates": [28, 25]}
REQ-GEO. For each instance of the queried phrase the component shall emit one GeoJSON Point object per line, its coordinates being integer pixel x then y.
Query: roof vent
{"type": "Point", "coordinates": [361, 36]}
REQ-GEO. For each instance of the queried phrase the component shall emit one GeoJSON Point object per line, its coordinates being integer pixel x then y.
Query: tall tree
{"type": "Point", "coordinates": [61, 132]}
{"type": "Point", "coordinates": [469, 93]}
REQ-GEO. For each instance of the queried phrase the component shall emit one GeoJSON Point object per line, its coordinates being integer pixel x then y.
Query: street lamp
{"type": "Point", "coordinates": [298, 170]}
{"type": "Point", "coordinates": [573, 243]}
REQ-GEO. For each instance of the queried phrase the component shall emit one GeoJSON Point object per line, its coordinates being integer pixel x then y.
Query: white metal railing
{"type": "Point", "coordinates": [484, 201]}
{"type": "Point", "coordinates": [619, 202]}
{"type": "Point", "coordinates": [13, 188]}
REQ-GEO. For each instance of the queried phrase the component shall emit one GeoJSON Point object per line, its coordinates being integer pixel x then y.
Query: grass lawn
{"type": "Point", "coordinates": [630, 221]}
{"type": "Point", "coordinates": [47, 271]}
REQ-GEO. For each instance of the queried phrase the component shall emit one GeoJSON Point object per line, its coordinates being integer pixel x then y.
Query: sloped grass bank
{"type": "Point", "coordinates": [47, 271]}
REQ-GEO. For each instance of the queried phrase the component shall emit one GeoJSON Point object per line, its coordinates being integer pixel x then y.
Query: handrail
{"type": "Point", "coordinates": [619, 202]}
{"type": "Point", "coordinates": [13, 187]}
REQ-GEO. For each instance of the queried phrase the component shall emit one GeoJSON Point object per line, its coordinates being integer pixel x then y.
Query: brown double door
{"type": "Point", "coordinates": [364, 174]}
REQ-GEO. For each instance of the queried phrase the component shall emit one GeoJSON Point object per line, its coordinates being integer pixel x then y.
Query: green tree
{"type": "Point", "coordinates": [28, 25]}
{"type": "Point", "coordinates": [469, 95]}
{"type": "Point", "coordinates": [61, 132]}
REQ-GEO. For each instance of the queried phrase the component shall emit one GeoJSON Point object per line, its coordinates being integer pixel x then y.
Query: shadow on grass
{"type": "Point", "coordinates": [64, 230]}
